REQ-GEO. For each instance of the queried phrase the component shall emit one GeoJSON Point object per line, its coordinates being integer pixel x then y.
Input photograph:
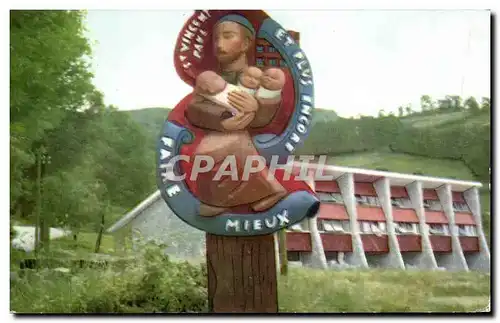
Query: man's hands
{"type": "Point", "coordinates": [243, 101]}
{"type": "Point", "coordinates": [239, 122]}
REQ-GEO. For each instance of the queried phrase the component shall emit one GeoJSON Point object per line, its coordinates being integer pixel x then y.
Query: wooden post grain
{"type": "Point", "coordinates": [241, 274]}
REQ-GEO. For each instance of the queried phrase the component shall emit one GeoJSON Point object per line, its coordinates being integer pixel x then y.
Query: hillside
{"type": "Point", "coordinates": [152, 119]}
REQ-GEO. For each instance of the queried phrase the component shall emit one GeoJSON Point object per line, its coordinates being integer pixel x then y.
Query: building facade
{"type": "Point", "coordinates": [367, 219]}
{"type": "Point", "coordinates": [381, 219]}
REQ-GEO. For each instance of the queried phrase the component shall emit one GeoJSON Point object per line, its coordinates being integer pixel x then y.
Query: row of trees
{"type": "Point", "coordinates": [72, 158]}
{"type": "Point", "coordinates": [450, 103]}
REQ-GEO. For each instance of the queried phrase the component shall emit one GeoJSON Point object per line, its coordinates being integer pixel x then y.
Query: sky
{"type": "Point", "coordinates": [362, 60]}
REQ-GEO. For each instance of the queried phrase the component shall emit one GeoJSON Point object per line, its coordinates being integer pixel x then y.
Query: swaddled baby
{"type": "Point", "coordinates": [263, 85]}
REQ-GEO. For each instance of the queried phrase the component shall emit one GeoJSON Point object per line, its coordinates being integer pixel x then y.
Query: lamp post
{"type": "Point", "coordinates": [41, 232]}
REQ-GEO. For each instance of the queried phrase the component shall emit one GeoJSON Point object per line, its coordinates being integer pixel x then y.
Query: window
{"type": "Point", "coordinates": [438, 229]}
{"type": "Point", "coordinates": [336, 226]}
{"type": "Point", "coordinates": [406, 228]}
{"type": "Point", "coordinates": [260, 62]}
{"type": "Point", "coordinates": [467, 230]}
{"type": "Point", "coordinates": [367, 200]}
{"type": "Point", "coordinates": [273, 62]}
{"type": "Point", "coordinates": [260, 49]}
{"type": "Point", "coordinates": [333, 226]}
{"type": "Point", "coordinates": [331, 255]}
{"type": "Point", "coordinates": [433, 205]}
{"type": "Point", "coordinates": [460, 207]}
{"type": "Point", "coordinates": [296, 227]}
{"type": "Point", "coordinates": [372, 227]}
{"type": "Point", "coordinates": [271, 49]}
{"type": "Point", "coordinates": [334, 258]}
{"type": "Point", "coordinates": [282, 63]}
{"type": "Point", "coordinates": [333, 197]}
{"type": "Point", "coordinates": [325, 197]}
{"type": "Point", "coordinates": [402, 203]}
{"type": "Point", "coordinates": [337, 197]}
{"type": "Point", "coordinates": [293, 255]}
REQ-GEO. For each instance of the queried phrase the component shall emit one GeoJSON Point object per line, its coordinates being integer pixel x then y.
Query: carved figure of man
{"type": "Point", "coordinates": [226, 131]}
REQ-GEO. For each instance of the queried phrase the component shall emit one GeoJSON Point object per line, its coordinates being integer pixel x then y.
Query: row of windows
{"type": "Point", "coordinates": [260, 61]}
{"type": "Point", "coordinates": [406, 228]}
{"type": "Point", "coordinates": [369, 227]}
{"type": "Point", "coordinates": [265, 49]}
{"type": "Point", "coordinates": [460, 207]}
{"type": "Point", "coordinates": [403, 203]}
{"type": "Point", "coordinates": [438, 229]}
{"type": "Point", "coordinates": [337, 226]}
{"type": "Point", "coordinates": [467, 230]}
{"type": "Point", "coordinates": [367, 200]}
{"type": "Point", "coordinates": [375, 227]}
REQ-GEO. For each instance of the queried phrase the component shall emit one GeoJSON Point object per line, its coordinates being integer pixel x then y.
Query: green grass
{"type": "Point", "coordinates": [434, 120]}
{"type": "Point", "coordinates": [146, 286]}
{"type": "Point", "coordinates": [306, 290]}
{"type": "Point", "coordinates": [404, 163]}
{"type": "Point", "coordinates": [66, 249]}
{"type": "Point", "coordinates": [84, 244]}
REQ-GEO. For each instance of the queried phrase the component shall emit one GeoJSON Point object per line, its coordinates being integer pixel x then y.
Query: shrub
{"type": "Point", "coordinates": [151, 284]}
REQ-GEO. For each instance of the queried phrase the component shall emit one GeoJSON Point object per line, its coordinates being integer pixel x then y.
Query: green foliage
{"type": "Point", "coordinates": [99, 157]}
{"type": "Point", "coordinates": [351, 135]}
{"type": "Point", "coordinates": [471, 144]}
{"type": "Point", "coordinates": [149, 284]}
{"type": "Point", "coordinates": [154, 284]}
{"type": "Point", "coordinates": [48, 77]}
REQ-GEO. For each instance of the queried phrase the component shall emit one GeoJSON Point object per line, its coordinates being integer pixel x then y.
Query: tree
{"type": "Point", "coordinates": [409, 110]}
{"type": "Point", "coordinates": [49, 76]}
{"type": "Point", "coordinates": [426, 103]}
{"type": "Point", "coordinates": [445, 104]}
{"type": "Point", "coordinates": [485, 104]}
{"type": "Point", "coordinates": [472, 105]}
{"type": "Point", "coordinates": [456, 102]}
{"type": "Point", "coordinates": [400, 111]}
{"type": "Point", "coordinates": [381, 113]}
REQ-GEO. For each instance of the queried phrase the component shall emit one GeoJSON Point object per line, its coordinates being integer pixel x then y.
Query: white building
{"type": "Point", "coordinates": [367, 219]}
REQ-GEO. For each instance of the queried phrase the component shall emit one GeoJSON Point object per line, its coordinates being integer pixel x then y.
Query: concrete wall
{"type": "Point", "coordinates": [481, 260]}
{"type": "Point", "coordinates": [158, 223]}
{"type": "Point", "coordinates": [455, 261]}
{"type": "Point", "coordinates": [357, 256]}
{"type": "Point", "coordinates": [424, 259]}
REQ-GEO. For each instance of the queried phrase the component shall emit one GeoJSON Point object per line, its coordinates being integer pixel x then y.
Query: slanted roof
{"type": "Point", "coordinates": [127, 218]}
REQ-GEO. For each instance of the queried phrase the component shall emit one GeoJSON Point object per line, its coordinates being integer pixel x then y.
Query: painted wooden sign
{"type": "Point", "coordinates": [222, 150]}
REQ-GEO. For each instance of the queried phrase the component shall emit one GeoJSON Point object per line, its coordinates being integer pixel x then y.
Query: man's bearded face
{"type": "Point", "coordinates": [230, 42]}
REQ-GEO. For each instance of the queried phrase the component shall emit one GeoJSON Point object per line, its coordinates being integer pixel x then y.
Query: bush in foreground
{"type": "Point", "coordinates": [154, 284]}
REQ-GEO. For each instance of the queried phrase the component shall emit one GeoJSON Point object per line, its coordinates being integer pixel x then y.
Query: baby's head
{"type": "Point", "coordinates": [250, 78]}
{"type": "Point", "coordinates": [273, 79]}
{"type": "Point", "coordinates": [209, 83]}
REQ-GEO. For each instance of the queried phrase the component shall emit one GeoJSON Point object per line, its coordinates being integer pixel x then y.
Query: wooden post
{"type": "Point", "coordinates": [38, 202]}
{"type": "Point", "coordinates": [283, 256]}
{"type": "Point", "coordinates": [241, 274]}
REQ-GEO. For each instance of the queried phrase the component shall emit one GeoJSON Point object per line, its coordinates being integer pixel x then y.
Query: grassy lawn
{"type": "Point", "coordinates": [84, 244]}
{"type": "Point", "coordinates": [434, 120]}
{"type": "Point", "coordinates": [404, 163]}
{"type": "Point", "coordinates": [306, 290]}
{"type": "Point", "coordinates": [177, 287]}
{"type": "Point", "coordinates": [66, 248]}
